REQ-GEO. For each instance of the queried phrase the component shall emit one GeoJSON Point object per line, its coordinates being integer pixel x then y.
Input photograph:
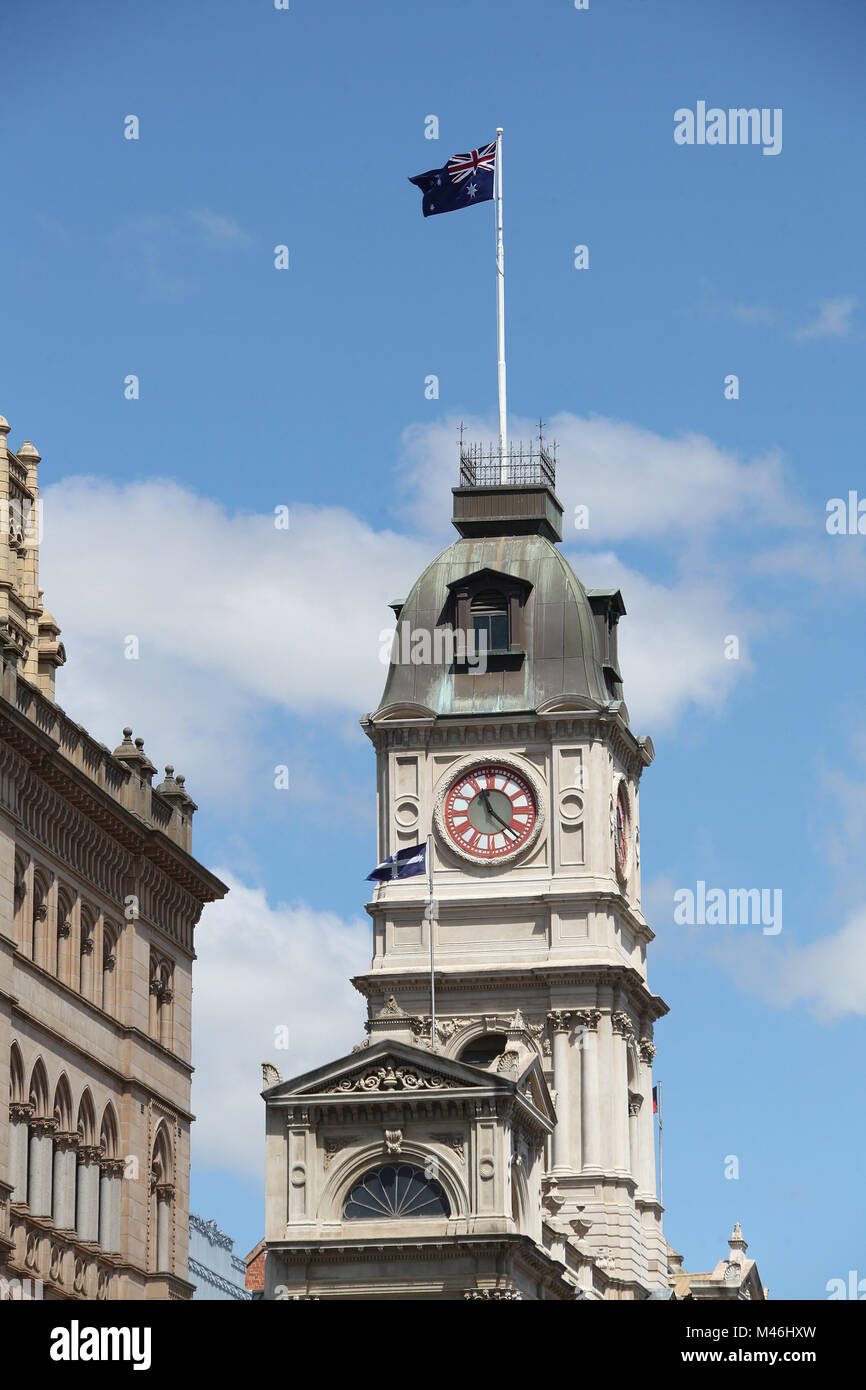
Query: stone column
{"type": "Point", "coordinates": [39, 1165]}
{"type": "Point", "coordinates": [20, 1115]}
{"type": "Point", "coordinates": [104, 1205]}
{"type": "Point", "coordinates": [590, 1095]}
{"type": "Point", "coordinates": [647, 1132]}
{"type": "Point", "coordinates": [164, 1198]}
{"type": "Point", "coordinates": [560, 1025]}
{"type": "Point", "coordinates": [622, 1029]}
{"type": "Point", "coordinates": [87, 1204]}
{"type": "Point", "coordinates": [65, 1164]}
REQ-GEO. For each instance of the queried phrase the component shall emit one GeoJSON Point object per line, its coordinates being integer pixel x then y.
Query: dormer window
{"type": "Point", "coordinates": [490, 621]}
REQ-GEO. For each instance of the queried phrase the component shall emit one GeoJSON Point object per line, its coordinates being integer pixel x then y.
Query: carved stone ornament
{"type": "Point", "coordinates": [453, 1141]}
{"type": "Point", "coordinates": [647, 1050]}
{"type": "Point", "coordinates": [587, 1018]}
{"type": "Point", "coordinates": [270, 1075]}
{"type": "Point", "coordinates": [621, 1023]}
{"type": "Point", "coordinates": [391, 1009]}
{"type": "Point", "coordinates": [333, 1146]}
{"type": "Point", "coordinates": [389, 1078]}
{"type": "Point", "coordinates": [394, 1141]}
{"type": "Point", "coordinates": [560, 1021]}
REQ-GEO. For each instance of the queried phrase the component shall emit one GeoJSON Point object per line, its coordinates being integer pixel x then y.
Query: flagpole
{"type": "Point", "coordinates": [661, 1160]}
{"type": "Point", "coordinates": [500, 311]}
{"type": "Point", "coordinates": [430, 926]}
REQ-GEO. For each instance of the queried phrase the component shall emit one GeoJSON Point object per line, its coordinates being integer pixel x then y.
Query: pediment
{"type": "Point", "coordinates": [388, 1068]}
{"type": "Point", "coordinates": [534, 1089]}
{"type": "Point", "coordinates": [494, 579]}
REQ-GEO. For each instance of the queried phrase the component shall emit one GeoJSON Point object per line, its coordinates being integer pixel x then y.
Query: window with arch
{"type": "Point", "coordinates": [483, 1050]}
{"type": "Point", "coordinates": [162, 1199]}
{"type": "Point", "coordinates": [395, 1190]}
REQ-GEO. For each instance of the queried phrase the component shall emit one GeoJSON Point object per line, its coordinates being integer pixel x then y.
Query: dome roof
{"type": "Point", "coordinates": [556, 658]}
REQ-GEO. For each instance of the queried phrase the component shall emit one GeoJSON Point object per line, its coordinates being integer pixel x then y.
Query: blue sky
{"type": "Point", "coordinates": [305, 387]}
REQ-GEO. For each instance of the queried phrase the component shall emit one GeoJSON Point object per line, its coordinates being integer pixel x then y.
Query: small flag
{"type": "Point", "coordinates": [466, 179]}
{"type": "Point", "coordinates": [404, 864]}
{"type": "Point", "coordinates": [655, 1100]}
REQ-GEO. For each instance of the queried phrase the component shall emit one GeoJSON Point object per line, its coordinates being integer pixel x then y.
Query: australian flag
{"type": "Point", "coordinates": [404, 864]}
{"type": "Point", "coordinates": [466, 179]}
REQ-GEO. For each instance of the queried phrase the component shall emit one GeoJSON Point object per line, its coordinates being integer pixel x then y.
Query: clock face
{"type": "Point", "coordinates": [622, 822]}
{"type": "Point", "coordinates": [489, 811]}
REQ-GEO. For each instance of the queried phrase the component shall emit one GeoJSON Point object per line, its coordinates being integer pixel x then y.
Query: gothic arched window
{"type": "Point", "coordinates": [397, 1189]}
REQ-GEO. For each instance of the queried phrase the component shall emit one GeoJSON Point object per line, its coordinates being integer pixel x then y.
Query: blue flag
{"type": "Point", "coordinates": [466, 179]}
{"type": "Point", "coordinates": [404, 864]}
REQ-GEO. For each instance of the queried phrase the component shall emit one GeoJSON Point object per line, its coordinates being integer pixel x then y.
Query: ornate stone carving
{"type": "Point", "coordinates": [21, 1110]}
{"type": "Point", "coordinates": [587, 1018]}
{"type": "Point", "coordinates": [394, 1141]}
{"type": "Point", "coordinates": [270, 1075]}
{"type": "Point", "coordinates": [391, 1078]}
{"type": "Point", "coordinates": [647, 1050]}
{"type": "Point", "coordinates": [333, 1146]}
{"type": "Point", "coordinates": [621, 1023]}
{"type": "Point", "coordinates": [453, 1141]}
{"type": "Point", "coordinates": [560, 1021]}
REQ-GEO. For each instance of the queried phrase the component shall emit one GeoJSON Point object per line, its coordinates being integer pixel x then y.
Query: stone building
{"type": "Point", "coordinates": [99, 897]}
{"type": "Point", "coordinates": [503, 1148]}
{"type": "Point", "coordinates": [218, 1273]}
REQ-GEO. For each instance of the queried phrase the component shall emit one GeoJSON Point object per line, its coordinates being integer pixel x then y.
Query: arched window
{"type": "Point", "coordinates": [20, 1112]}
{"type": "Point", "coordinates": [109, 968]}
{"type": "Point", "coordinates": [86, 947]}
{"type": "Point", "coordinates": [162, 1197]}
{"type": "Point", "coordinates": [110, 1179]}
{"type": "Point", "coordinates": [483, 1050]}
{"type": "Point", "coordinates": [23, 934]}
{"type": "Point", "coordinates": [40, 1146]}
{"type": "Point", "coordinates": [490, 621]}
{"type": "Point", "coordinates": [397, 1189]}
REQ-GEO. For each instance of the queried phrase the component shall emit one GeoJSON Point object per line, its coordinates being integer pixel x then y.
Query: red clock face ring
{"type": "Point", "coordinates": [490, 811]}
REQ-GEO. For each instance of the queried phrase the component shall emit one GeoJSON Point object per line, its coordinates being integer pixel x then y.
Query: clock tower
{"type": "Point", "coordinates": [506, 1080]}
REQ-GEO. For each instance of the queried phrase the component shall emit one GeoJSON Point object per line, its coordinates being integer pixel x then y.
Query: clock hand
{"type": "Point", "coordinates": [485, 797]}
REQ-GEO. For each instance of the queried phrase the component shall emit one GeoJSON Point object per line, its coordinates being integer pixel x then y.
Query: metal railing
{"type": "Point", "coordinates": [482, 465]}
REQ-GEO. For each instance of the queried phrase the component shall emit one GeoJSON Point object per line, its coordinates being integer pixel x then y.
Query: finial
{"type": "Point", "coordinates": [5, 426]}
{"type": "Point", "coordinates": [29, 453]}
{"type": "Point", "coordinates": [139, 743]}
{"type": "Point", "coordinates": [169, 770]}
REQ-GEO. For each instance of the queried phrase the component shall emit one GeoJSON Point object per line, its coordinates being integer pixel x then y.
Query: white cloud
{"type": "Point", "coordinates": [827, 975]}
{"type": "Point", "coordinates": [833, 319]}
{"type": "Point", "coordinates": [234, 618]}
{"type": "Point", "coordinates": [261, 968]}
{"type": "Point", "coordinates": [672, 640]}
{"type": "Point", "coordinates": [222, 231]}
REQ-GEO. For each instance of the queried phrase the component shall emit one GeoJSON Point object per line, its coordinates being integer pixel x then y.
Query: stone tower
{"type": "Point", "coordinates": [526, 1100]}
{"type": "Point", "coordinates": [99, 897]}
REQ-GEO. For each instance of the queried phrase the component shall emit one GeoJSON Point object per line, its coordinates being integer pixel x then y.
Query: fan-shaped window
{"type": "Point", "coordinates": [398, 1189]}
{"type": "Point", "coordinates": [481, 1051]}
{"type": "Point", "coordinates": [490, 621]}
